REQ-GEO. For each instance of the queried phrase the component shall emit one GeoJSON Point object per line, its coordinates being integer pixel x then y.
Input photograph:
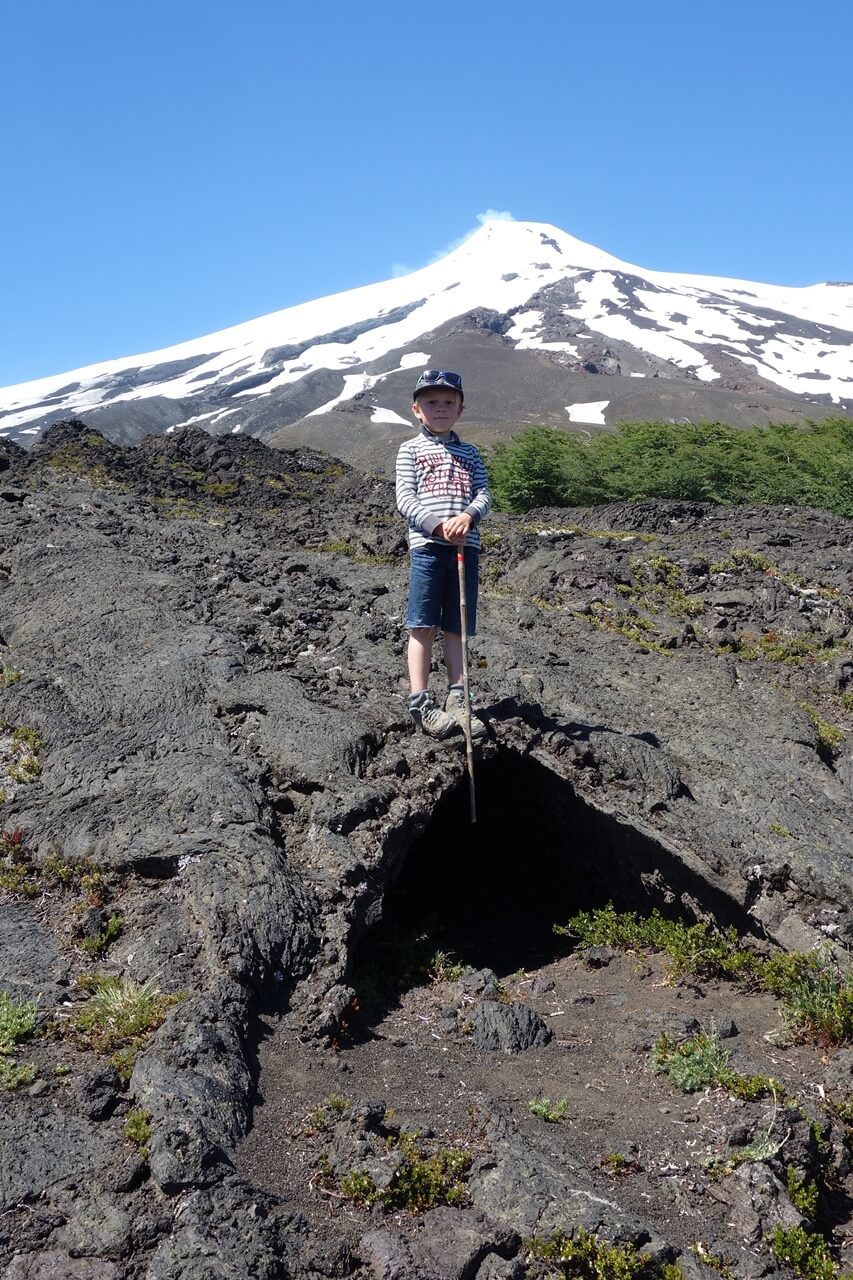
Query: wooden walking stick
{"type": "Point", "coordinates": [466, 691]}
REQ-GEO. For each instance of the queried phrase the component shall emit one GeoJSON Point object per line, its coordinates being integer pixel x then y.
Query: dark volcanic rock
{"type": "Point", "coordinates": [208, 651]}
{"type": "Point", "coordinates": [509, 1028]}
{"type": "Point", "coordinates": [451, 1246]}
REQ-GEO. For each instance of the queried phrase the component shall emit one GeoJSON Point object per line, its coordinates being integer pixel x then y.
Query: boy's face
{"type": "Point", "coordinates": [438, 408]}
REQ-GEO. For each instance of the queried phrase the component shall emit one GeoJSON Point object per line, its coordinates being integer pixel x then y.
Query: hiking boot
{"type": "Point", "coordinates": [433, 721]}
{"type": "Point", "coordinates": [454, 706]}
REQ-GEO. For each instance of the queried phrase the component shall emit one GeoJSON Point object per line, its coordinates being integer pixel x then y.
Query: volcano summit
{"type": "Point", "coordinates": [548, 329]}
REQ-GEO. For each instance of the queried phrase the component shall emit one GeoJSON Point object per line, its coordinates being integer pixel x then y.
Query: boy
{"type": "Point", "coordinates": [443, 493]}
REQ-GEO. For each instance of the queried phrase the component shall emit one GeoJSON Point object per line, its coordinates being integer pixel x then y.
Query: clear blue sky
{"type": "Point", "coordinates": [170, 167]}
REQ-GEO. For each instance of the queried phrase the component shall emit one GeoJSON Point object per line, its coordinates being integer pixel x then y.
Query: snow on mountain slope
{"type": "Point", "coordinates": [553, 294]}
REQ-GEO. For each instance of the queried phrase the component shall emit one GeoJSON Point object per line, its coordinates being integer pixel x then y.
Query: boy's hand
{"type": "Point", "coordinates": [455, 529]}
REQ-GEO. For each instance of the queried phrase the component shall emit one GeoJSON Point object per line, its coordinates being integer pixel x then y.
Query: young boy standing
{"type": "Point", "coordinates": [443, 493]}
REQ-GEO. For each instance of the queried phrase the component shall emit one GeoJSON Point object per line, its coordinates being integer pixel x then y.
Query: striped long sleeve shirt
{"type": "Point", "coordinates": [439, 477]}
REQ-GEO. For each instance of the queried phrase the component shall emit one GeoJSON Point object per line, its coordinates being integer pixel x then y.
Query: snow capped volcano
{"type": "Point", "coordinates": [544, 327]}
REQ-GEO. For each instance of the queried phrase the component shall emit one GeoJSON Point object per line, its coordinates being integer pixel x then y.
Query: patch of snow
{"type": "Point", "coordinates": [353, 383]}
{"type": "Point", "coordinates": [590, 412]}
{"type": "Point", "coordinates": [554, 346]}
{"type": "Point", "coordinates": [415, 359]}
{"type": "Point", "coordinates": [388, 415]}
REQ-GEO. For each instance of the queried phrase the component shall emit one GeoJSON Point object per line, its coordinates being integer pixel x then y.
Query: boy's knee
{"type": "Point", "coordinates": [423, 633]}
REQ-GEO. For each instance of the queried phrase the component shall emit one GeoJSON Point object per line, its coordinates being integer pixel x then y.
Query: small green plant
{"type": "Point", "coordinates": [828, 735]}
{"type": "Point", "coordinates": [816, 995]}
{"type": "Point", "coordinates": [100, 942]}
{"type": "Point", "coordinates": [701, 1062]}
{"type": "Point", "coordinates": [15, 866]}
{"type": "Point", "coordinates": [445, 967]}
{"type": "Point", "coordinates": [331, 1108]}
{"type": "Point", "coordinates": [776, 829]}
{"type": "Point", "coordinates": [176, 508]}
{"type": "Point", "coordinates": [551, 1112]}
{"type": "Point", "coordinates": [20, 875]}
{"type": "Point", "coordinates": [842, 1109]}
{"type": "Point", "coordinates": [121, 1013]}
{"type": "Point", "coordinates": [17, 1021]}
{"type": "Point", "coordinates": [712, 1260]}
{"type": "Point", "coordinates": [358, 1185]}
{"type": "Point", "coordinates": [807, 1255]}
{"type": "Point", "coordinates": [14, 1077]}
{"type": "Point", "coordinates": [23, 745]}
{"type": "Point", "coordinates": [123, 1061]}
{"type": "Point", "coordinates": [221, 489]}
{"type": "Point", "coordinates": [741, 559]}
{"type": "Point", "coordinates": [9, 676]}
{"type": "Point", "coordinates": [657, 582]}
{"type": "Point", "coordinates": [335, 547]}
{"type": "Point", "coordinates": [630, 625]}
{"type": "Point", "coordinates": [804, 1194]}
{"type": "Point", "coordinates": [692, 1065]}
{"type": "Point", "coordinates": [619, 1166]}
{"type": "Point", "coordinates": [137, 1129]}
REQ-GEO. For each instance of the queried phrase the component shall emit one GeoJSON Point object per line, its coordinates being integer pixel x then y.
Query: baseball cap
{"type": "Point", "coordinates": [439, 378]}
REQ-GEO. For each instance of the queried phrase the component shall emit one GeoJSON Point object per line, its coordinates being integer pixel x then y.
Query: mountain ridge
{"type": "Point", "coordinates": [589, 339]}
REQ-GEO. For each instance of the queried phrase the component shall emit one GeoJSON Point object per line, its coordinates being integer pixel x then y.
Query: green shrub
{"type": "Point", "coordinates": [809, 465]}
{"type": "Point", "coordinates": [421, 1180]}
{"type": "Point", "coordinates": [804, 1194]}
{"type": "Point", "coordinates": [584, 1256]}
{"type": "Point", "coordinates": [695, 949]}
{"type": "Point", "coordinates": [807, 1255]}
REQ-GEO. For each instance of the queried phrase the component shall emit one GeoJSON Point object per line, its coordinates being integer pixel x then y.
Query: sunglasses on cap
{"type": "Point", "coordinates": [439, 378]}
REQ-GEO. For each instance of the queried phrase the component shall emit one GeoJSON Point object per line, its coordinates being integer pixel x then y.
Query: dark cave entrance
{"type": "Point", "coordinates": [489, 894]}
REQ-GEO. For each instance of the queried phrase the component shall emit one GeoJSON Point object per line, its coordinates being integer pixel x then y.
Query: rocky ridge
{"type": "Point", "coordinates": [203, 641]}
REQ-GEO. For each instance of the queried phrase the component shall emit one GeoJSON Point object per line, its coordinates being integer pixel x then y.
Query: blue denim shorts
{"type": "Point", "coordinates": [434, 588]}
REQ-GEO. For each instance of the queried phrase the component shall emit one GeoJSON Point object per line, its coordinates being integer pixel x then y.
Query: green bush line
{"type": "Point", "coordinates": [809, 465]}
{"type": "Point", "coordinates": [814, 989]}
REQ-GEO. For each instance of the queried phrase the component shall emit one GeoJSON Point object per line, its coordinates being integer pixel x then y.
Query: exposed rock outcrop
{"type": "Point", "coordinates": [203, 641]}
